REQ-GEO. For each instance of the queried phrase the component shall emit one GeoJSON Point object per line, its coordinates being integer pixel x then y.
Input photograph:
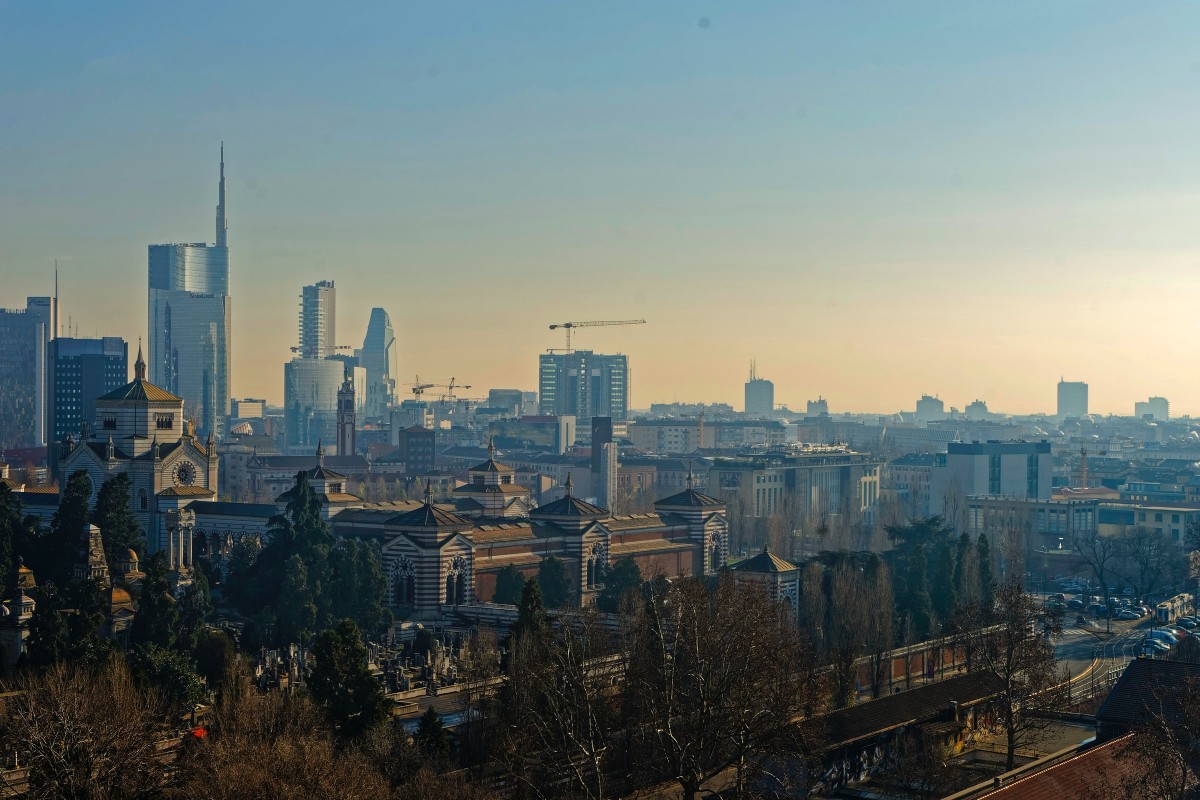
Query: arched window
{"type": "Point", "coordinates": [460, 590]}
{"type": "Point", "coordinates": [450, 589]}
{"type": "Point", "coordinates": [591, 573]}
{"type": "Point", "coordinates": [143, 500]}
{"type": "Point", "coordinates": [716, 558]}
{"type": "Point", "coordinates": [410, 583]}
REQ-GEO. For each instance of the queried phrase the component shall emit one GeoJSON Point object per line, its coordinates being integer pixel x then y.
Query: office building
{"type": "Point", "coordinates": [249, 408]}
{"type": "Point", "coordinates": [190, 322]}
{"type": "Point", "coordinates": [995, 469]}
{"type": "Point", "coordinates": [818, 407]}
{"type": "Point", "coordinates": [79, 372]}
{"type": "Point", "coordinates": [760, 395]}
{"type": "Point", "coordinates": [584, 384]}
{"type": "Point", "coordinates": [318, 320]}
{"type": "Point", "coordinates": [1156, 408]}
{"type": "Point", "coordinates": [24, 337]}
{"type": "Point", "coordinates": [511, 400]}
{"type": "Point", "coordinates": [379, 358]}
{"type": "Point", "coordinates": [310, 392]}
{"type": "Point", "coordinates": [1072, 399]}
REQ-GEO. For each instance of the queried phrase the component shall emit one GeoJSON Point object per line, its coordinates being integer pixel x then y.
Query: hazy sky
{"type": "Point", "coordinates": [874, 200]}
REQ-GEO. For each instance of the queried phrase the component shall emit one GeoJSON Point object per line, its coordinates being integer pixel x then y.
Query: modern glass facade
{"type": "Point", "coordinates": [81, 370]}
{"type": "Point", "coordinates": [584, 384]}
{"type": "Point", "coordinates": [24, 336]}
{"type": "Point", "coordinates": [310, 387]}
{"type": "Point", "coordinates": [379, 357]}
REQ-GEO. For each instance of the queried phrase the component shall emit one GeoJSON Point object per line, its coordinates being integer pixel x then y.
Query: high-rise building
{"type": "Point", "coordinates": [1156, 408]}
{"type": "Point", "coordinates": [760, 395]}
{"type": "Point", "coordinates": [818, 407]}
{"type": "Point", "coordinates": [930, 409]}
{"type": "Point", "coordinates": [318, 320]}
{"type": "Point", "coordinates": [511, 400]}
{"type": "Point", "coordinates": [379, 357]}
{"type": "Point", "coordinates": [24, 336]}
{"type": "Point", "coordinates": [345, 418]}
{"type": "Point", "coordinates": [310, 394]}
{"type": "Point", "coordinates": [190, 322]}
{"type": "Point", "coordinates": [584, 384]}
{"type": "Point", "coordinates": [1072, 399]}
{"type": "Point", "coordinates": [79, 372]}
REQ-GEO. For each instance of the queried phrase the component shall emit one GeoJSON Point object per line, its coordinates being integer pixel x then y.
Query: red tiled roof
{"type": "Point", "coordinates": [1094, 774]}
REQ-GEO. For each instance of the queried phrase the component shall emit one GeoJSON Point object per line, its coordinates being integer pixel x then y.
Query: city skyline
{"type": "Point", "coordinates": [832, 206]}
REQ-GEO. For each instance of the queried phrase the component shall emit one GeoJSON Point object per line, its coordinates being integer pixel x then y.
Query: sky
{"type": "Point", "coordinates": [874, 200]}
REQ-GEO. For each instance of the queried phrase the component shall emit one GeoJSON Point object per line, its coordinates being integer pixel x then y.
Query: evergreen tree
{"type": "Point", "coordinates": [625, 576]}
{"type": "Point", "coordinates": [552, 578]}
{"type": "Point", "coordinates": [195, 605]}
{"type": "Point", "coordinates": [171, 674]}
{"type": "Point", "coordinates": [214, 656]}
{"type": "Point", "coordinates": [113, 515]}
{"type": "Point", "coordinates": [297, 612]}
{"type": "Point", "coordinates": [47, 643]}
{"type": "Point", "coordinates": [964, 582]}
{"type": "Point", "coordinates": [531, 614]}
{"type": "Point", "coordinates": [987, 588]}
{"type": "Point", "coordinates": [55, 559]}
{"type": "Point", "coordinates": [65, 627]}
{"type": "Point", "coordinates": [431, 738]}
{"type": "Point", "coordinates": [945, 591]}
{"type": "Point", "coordinates": [920, 606]}
{"type": "Point", "coordinates": [15, 532]}
{"type": "Point", "coordinates": [358, 586]}
{"type": "Point", "coordinates": [342, 684]}
{"type": "Point", "coordinates": [509, 584]}
{"type": "Point", "coordinates": [157, 620]}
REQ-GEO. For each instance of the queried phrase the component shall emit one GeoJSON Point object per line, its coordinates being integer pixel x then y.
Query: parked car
{"type": "Point", "coordinates": [1059, 596]}
{"type": "Point", "coordinates": [1074, 604]}
{"type": "Point", "coordinates": [1099, 609]}
{"type": "Point", "coordinates": [1128, 591]}
{"type": "Point", "coordinates": [1187, 624]}
{"type": "Point", "coordinates": [1178, 630]}
{"type": "Point", "coordinates": [1163, 635]}
{"type": "Point", "coordinates": [1126, 615]}
{"type": "Point", "coordinates": [1152, 647]}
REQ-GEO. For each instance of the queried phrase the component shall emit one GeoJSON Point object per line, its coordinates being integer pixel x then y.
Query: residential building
{"type": "Point", "coordinates": [190, 314]}
{"type": "Point", "coordinates": [906, 481]}
{"type": "Point", "coordinates": [584, 384]}
{"type": "Point", "coordinates": [511, 400]}
{"type": "Point", "coordinates": [24, 337]}
{"type": "Point", "coordinates": [818, 407]}
{"type": "Point", "coordinates": [379, 357]}
{"type": "Point", "coordinates": [806, 484]}
{"type": "Point", "coordinates": [929, 409]}
{"type": "Point", "coordinates": [551, 434]}
{"type": "Point", "coordinates": [416, 448]}
{"type": "Point", "coordinates": [1156, 408]}
{"type": "Point", "coordinates": [318, 320]}
{"type": "Point", "coordinates": [1072, 399]}
{"type": "Point", "coordinates": [760, 395]}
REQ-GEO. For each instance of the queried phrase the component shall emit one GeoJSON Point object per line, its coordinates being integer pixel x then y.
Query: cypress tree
{"type": "Point", "coordinates": [987, 588]}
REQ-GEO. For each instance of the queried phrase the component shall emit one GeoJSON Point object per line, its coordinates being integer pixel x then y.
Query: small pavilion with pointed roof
{"type": "Point", "coordinates": [491, 491]}
{"type": "Point", "coordinates": [780, 577]}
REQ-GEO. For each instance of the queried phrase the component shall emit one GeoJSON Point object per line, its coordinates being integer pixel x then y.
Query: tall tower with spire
{"type": "Point", "coordinates": [189, 318]}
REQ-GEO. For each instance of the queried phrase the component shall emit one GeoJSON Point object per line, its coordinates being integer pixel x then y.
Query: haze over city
{"type": "Point", "coordinates": [874, 201]}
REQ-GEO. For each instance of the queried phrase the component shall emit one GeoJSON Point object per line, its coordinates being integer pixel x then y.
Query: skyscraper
{"type": "Point", "coordinates": [318, 320]}
{"type": "Point", "coordinates": [760, 395]}
{"type": "Point", "coordinates": [79, 371]}
{"type": "Point", "coordinates": [379, 357]}
{"type": "Point", "coordinates": [25, 334]}
{"type": "Point", "coordinates": [1072, 399]}
{"type": "Point", "coordinates": [584, 384]}
{"type": "Point", "coordinates": [189, 322]}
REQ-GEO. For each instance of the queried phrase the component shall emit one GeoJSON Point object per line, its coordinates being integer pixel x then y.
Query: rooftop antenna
{"type": "Point", "coordinates": [57, 321]}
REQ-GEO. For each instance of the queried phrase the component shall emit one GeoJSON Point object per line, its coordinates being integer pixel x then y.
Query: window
{"type": "Point", "coordinates": [109, 423]}
{"type": "Point", "coordinates": [1158, 517]}
{"type": "Point", "coordinates": [143, 501]}
{"type": "Point", "coordinates": [164, 421]}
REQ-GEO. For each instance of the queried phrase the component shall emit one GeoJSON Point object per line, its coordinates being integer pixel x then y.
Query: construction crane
{"type": "Point", "coordinates": [450, 387]}
{"type": "Point", "coordinates": [418, 388]}
{"type": "Point", "coordinates": [569, 326]}
{"type": "Point", "coordinates": [336, 347]}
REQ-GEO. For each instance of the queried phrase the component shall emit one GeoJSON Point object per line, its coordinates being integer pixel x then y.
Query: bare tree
{"type": "Point", "coordinates": [1100, 553]}
{"type": "Point", "coordinates": [714, 674]}
{"type": "Point", "coordinates": [87, 736]}
{"type": "Point", "coordinates": [1161, 758]}
{"type": "Point", "coordinates": [1016, 650]}
{"type": "Point", "coordinates": [1147, 559]}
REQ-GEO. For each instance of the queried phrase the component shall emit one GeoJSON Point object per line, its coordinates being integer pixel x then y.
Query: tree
{"type": "Point", "coordinates": [556, 715]}
{"type": "Point", "coordinates": [65, 627]}
{"type": "Point", "coordinates": [341, 683]}
{"type": "Point", "coordinates": [358, 585]}
{"type": "Point", "coordinates": [715, 680]}
{"type": "Point", "coordinates": [86, 734]}
{"type": "Point", "coordinates": [113, 515]}
{"type": "Point", "coordinates": [1018, 655]}
{"type": "Point", "coordinates": [509, 583]}
{"type": "Point", "coordinates": [214, 657]}
{"type": "Point", "coordinates": [624, 577]}
{"type": "Point", "coordinates": [987, 587]}
{"type": "Point", "coordinates": [531, 614]}
{"type": "Point", "coordinates": [170, 674]}
{"type": "Point", "coordinates": [943, 585]}
{"type": "Point", "coordinates": [1162, 750]}
{"type": "Point", "coordinates": [157, 620]}
{"type": "Point", "coordinates": [1147, 559]}
{"type": "Point", "coordinates": [431, 738]}
{"type": "Point", "coordinates": [194, 608]}
{"type": "Point", "coordinates": [918, 604]}
{"type": "Point", "coordinates": [552, 578]}
{"type": "Point", "coordinates": [1100, 554]}
{"type": "Point", "coordinates": [16, 533]}
{"type": "Point", "coordinates": [297, 612]}
{"type": "Point", "coordinates": [966, 572]}
{"type": "Point", "coordinates": [55, 559]}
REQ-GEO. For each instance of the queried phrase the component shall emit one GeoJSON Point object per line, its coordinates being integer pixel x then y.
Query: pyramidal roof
{"type": "Point", "coordinates": [491, 465]}
{"type": "Point", "coordinates": [430, 516]}
{"type": "Point", "coordinates": [569, 506]}
{"type": "Point", "coordinates": [766, 561]}
{"type": "Point", "coordinates": [140, 389]}
{"type": "Point", "coordinates": [689, 497]}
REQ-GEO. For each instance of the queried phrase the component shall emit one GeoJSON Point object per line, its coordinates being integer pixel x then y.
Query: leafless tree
{"type": "Point", "coordinates": [1147, 559]}
{"type": "Point", "coordinates": [1100, 553]}
{"type": "Point", "coordinates": [719, 676]}
{"type": "Point", "coordinates": [1017, 652]}
{"type": "Point", "coordinates": [1161, 757]}
{"type": "Point", "coordinates": [87, 736]}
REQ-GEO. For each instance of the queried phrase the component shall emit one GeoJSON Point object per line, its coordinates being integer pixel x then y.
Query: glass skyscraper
{"type": "Point", "coordinates": [189, 321]}
{"type": "Point", "coordinates": [24, 335]}
{"type": "Point", "coordinates": [378, 357]}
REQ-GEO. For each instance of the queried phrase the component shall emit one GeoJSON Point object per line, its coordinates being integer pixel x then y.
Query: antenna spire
{"type": "Point", "coordinates": [222, 223]}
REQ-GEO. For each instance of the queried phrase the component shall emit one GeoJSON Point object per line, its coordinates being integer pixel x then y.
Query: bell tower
{"type": "Point", "coordinates": [345, 418]}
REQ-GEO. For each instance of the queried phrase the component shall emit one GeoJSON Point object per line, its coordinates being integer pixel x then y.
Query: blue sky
{"type": "Point", "coordinates": [875, 200]}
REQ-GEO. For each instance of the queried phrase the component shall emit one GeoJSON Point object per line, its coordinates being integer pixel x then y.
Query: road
{"type": "Point", "coordinates": [1094, 658]}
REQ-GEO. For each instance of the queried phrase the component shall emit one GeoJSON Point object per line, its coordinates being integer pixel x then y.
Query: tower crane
{"type": "Point", "coordinates": [569, 326]}
{"type": "Point", "coordinates": [418, 388]}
